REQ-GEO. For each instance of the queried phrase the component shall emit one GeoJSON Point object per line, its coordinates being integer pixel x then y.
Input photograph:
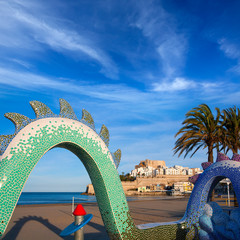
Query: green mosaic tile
{"type": "Point", "coordinates": [33, 138]}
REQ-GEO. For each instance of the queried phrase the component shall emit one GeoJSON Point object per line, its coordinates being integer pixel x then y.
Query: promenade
{"type": "Point", "coordinates": [47, 221]}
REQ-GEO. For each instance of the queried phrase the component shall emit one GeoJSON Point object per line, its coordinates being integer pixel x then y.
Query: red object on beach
{"type": "Point", "coordinates": [79, 211]}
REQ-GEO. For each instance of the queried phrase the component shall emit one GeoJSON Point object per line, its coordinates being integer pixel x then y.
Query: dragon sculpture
{"type": "Point", "coordinates": [21, 151]}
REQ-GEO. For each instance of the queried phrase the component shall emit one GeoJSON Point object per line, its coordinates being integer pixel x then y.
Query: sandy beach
{"type": "Point", "coordinates": [47, 221]}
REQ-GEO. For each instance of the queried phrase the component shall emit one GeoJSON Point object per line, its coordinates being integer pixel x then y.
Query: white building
{"type": "Point", "coordinates": [150, 171]}
{"type": "Point", "coordinates": [159, 171]}
{"type": "Point", "coordinates": [168, 171]}
{"type": "Point", "coordinates": [189, 171]}
{"type": "Point", "coordinates": [196, 170]}
{"type": "Point", "coordinates": [184, 172]}
{"type": "Point", "coordinates": [142, 171]}
{"type": "Point", "coordinates": [183, 186]}
{"type": "Point", "coordinates": [178, 167]}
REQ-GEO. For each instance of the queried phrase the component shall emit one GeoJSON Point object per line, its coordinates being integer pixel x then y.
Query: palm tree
{"type": "Point", "coordinates": [201, 130]}
{"type": "Point", "coordinates": [231, 133]}
{"type": "Point", "coordinates": [231, 129]}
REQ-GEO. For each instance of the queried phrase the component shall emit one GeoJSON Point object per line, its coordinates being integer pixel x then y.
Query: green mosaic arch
{"type": "Point", "coordinates": [21, 151]}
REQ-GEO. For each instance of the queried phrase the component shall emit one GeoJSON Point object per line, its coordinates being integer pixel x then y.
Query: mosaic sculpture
{"type": "Point", "coordinates": [21, 151]}
{"type": "Point", "coordinates": [216, 224]}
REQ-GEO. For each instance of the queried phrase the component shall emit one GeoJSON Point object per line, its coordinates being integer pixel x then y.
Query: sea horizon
{"type": "Point", "coordinates": [32, 198]}
{"type": "Point", "coordinates": [51, 192]}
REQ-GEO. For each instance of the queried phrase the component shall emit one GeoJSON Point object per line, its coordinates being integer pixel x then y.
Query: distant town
{"type": "Point", "coordinates": [155, 168]}
{"type": "Point", "coordinates": [154, 177]}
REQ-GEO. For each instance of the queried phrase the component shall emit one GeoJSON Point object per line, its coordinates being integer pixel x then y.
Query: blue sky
{"type": "Point", "coordinates": [136, 66]}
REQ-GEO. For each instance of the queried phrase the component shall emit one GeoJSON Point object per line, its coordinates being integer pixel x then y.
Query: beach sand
{"type": "Point", "coordinates": [47, 221]}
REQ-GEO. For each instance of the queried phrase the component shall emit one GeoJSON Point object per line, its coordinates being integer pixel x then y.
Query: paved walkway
{"type": "Point", "coordinates": [40, 222]}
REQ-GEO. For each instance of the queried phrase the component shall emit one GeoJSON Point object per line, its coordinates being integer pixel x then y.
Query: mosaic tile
{"type": "Point", "coordinates": [21, 151]}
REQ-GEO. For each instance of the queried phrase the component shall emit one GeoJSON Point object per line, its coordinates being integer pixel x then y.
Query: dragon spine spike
{"type": "Point", "coordinates": [66, 110]}
{"type": "Point", "coordinates": [104, 134]}
{"type": "Point", "coordinates": [194, 178]}
{"type": "Point", "coordinates": [4, 141]}
{"type": "Point", "coordinates": [19, 120]}
{"type": "Point", "coordinates": [87, 118]}
{"type": "Point", "coordinates": [117, 157]}
{"type": "Point", "coordinates": [41, 110]}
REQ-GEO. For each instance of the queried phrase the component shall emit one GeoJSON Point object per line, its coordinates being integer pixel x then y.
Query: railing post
{"type": "Point", "coordinates": [81, 219]}
{"type": "Point", "coordinates": [228, 194]}
{"type": "Point", "coordinates": [78, 235]}
{"type": "Point", "coordinates": [79, 214]}
{"type": "Point", "coordinates": [72, 204]}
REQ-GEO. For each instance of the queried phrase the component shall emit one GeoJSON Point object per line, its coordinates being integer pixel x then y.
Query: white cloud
{"type": "Point", "coordinates": [210, 85]}
{"type": "Point", "coordinates": [236, 68]}
{"type": "Point", "coordinates": [176, 85]}
{"type": "Point", "coordinates": [161, 28]}
{"type": "Point", "coordinates": [231, 50]}
{"type": "Point", "coordinates": [153, 127]}
{"type": "Point", "coordinates": [180, 84]}
{"type": "Point", "coordinates": [171, 53]}
{"type": "Point", "coordinates": [129, 97]}
{"type": "Point", "coordinates": [30, 81]}
{"type": "Point", "coordinates": [21, 62]}
{"type": "Point", "coordinates": [31, 32]}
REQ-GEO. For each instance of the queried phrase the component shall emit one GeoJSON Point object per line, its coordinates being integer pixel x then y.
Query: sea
{"type": "Point", "coordinates": [29, 198]}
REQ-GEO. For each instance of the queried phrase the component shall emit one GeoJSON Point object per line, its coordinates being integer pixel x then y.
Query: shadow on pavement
{"type": "Point", "coordinates": [13, 233]}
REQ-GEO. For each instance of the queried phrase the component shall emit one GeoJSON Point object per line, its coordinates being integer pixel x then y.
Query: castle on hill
{"type": "Point", "coordinates": [154, 175]}
{"type": "Point", "coordinates": [151, 163]}
{"type": "Point", "coordinates": [155, 168]}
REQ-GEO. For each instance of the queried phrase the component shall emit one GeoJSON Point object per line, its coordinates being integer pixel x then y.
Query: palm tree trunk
{"type": "Point", "coordinates": [210, 153]}
{"type": "Point", "coordinates": [235, 150]}
{"type": "Point", "coordinates": [210, 159]}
